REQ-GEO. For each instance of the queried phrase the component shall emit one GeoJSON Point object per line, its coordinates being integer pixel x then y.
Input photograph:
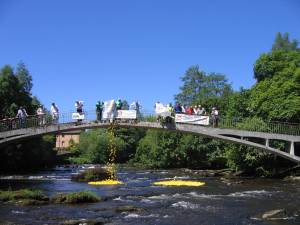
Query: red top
{"type": "Point", "coordinates": [189, 111]}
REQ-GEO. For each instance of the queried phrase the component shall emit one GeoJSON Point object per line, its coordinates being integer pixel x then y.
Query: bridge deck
{"type": "Point", "coordinates": [232, 135]}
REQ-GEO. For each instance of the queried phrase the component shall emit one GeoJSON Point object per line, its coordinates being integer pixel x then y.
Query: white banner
{"type": "Point", "coordinates": [77, 116]}
{"type": "Point", "coordinates": [161, 110]}
{"type": "Point", "coordinates": [109, 110]}
{"type": "Point", "coordinates": [192, 119]}
{"type": "Point", "coordinates": [126, 114]}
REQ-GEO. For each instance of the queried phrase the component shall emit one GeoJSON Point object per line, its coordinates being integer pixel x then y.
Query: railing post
{"type": "Point", "coordinates": [267, 143]}
{"type": "Point", "coordinates": [292, 148]}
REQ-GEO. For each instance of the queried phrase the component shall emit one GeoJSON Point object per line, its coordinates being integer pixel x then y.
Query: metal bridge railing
{"type": "Point", "coordinates": [29, 121]}
{"type": "Point", "coordinates": [90, 115]}
{"type": "Point", "coordinates": [260, 126]}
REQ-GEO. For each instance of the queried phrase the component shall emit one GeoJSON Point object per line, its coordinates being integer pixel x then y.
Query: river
{"type": "Point", "coordinates": [241, 201]}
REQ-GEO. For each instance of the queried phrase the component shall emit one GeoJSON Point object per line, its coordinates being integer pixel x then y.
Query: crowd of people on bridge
{"type": "Point", "coordinates": [43, 117]}
{"type": "Point", "coordinates": [184, 109]}
{"type": "Point", "coordinates": [118, 105]}
{"type": "Point", "coordinates": [198, 110]}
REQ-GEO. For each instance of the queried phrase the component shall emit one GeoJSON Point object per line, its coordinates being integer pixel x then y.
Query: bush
{"type": "Point", "coordinates": [75, 198]}
{"type": "Point", "coordinates": [94, 147]}
{"type": "Point", "coordinates": [22, 194]}
{"type": "Point", "coordinates": [95, 174]}
{"type": "Point", "coordinates": [253, 124]}
{"type": "Point", "coordinates": [162, 149]}
{"type": "Point", "coordinates": [249, 160]}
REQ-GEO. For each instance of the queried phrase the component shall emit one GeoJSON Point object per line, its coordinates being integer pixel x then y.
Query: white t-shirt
{"type": "Point", "coordinates": [54, 109]}
{"type": "Point", "coordinates": [39, 111]}
{"type": "Point", "coordinates": [79, 105]}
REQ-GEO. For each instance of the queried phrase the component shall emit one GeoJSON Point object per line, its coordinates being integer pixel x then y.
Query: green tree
{"type": "Point", "coordinates": [9, 91]}
{"type": "Point", "coordinates": [270, 64]}
{"type": "Point", "coordinates": [282, 42]}
{"type": "Point", "coordinates": [158, 149]}
{"type": "Point", "coordinates": [35, 102]}
{"type": "Point", "coordinates": [13, 94]}
{"type": "Point", "coordinates": [24, 77]}
{"type": "Point", "coordinates": [277, 94]}
{"type": "Point", "coordinates": [162, 149]}
{"type": "Point", "coordinates": [94, 147]}
{"type": "Point", "coordinates": [201, 152]}
{"type": "Point", "coordinates": [206, 89]}
{"type": "Point", "coordinates": [248, 159]}
{"type": "Point", "coordinates": [238, 104]}
{"type": "Point", "coordinates": [131, 138]}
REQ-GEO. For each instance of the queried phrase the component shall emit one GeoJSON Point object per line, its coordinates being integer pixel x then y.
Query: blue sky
{"type": "Point", "coordinates": [137, 49]}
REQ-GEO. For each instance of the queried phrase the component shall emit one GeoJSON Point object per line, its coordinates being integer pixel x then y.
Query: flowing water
{"type": "Point", "coordinates": [239, 202]}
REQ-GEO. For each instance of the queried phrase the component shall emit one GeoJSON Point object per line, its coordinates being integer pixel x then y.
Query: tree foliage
{"type": "Point", "coordinates": [282, 42]}
{"type": "Point", "coordinates": [9, 91]}
{"type": "Point", "coordinates": [24, 77]}
{"type": "Point", "coordinates": [238, 104]}
{"type": "Point", "coordinates": [161, 149]}
{"type": "Point", "coordinates": [131, 138]}
{"type": "Point", "coordinates": [15, 91]}
{"type": "Point", "coordinates": [28, 155]}
{"type": "Point", "coordinates": [201, 88]}
{"type": "Point", "coordinates": [94, 145]}
{"type": "Point", "coordinates": [270, 64]}
{"type": "Point", "coordinates": [276, 96]}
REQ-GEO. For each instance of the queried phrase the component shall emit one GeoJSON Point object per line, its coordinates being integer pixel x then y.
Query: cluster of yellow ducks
{"type": "Point", "coordinates": [160, 183]}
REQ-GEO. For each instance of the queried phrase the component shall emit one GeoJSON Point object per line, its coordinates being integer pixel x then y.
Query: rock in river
{"type": "Point", "coordinates": [276, 214]}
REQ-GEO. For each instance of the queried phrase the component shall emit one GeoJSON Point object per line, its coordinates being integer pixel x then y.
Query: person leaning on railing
{"type": "Point", "coordinates": [99, 109]}
{"type": "Point", "coordinates": [215, 116]}
{"type": "Point", "coordinates": [189, 110]}
{"type": "Point", "coordinates": [54, 112]}
{"type": "Point", "coordinates": [21, 115]}
{"type": "Point", "coordinates": [201, 110]}
{"type": "Point", "coordinates": [178, 108]}
{"type": "Point", "coordinates": [41, 115]}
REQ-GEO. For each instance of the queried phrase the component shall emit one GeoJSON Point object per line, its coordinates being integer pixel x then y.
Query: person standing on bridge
{"type": "Point", "coordinates": [54, 112]}
{"type": "Point", "coordinates": [215, 117]}
{"type": "Point", "coordinates": [99, 109]}
{"type": "Point", "coordinates": [170, 108]}
{"type": "Point", "coordinates": [189, 110]}
{"type": "Point", "coordinates": [41, 115]}
{"type": "Point", "coordinates": [119, 104]}
{"type": "Point", "coordinates": [201, 110]}
{"type": "Point", "coordinates": [178, 108]}
{"type": "Point", "coordinates": [22, 114]}
{"type": "Point", "coordinates": [79, 106]}
{"type": "Point", "coordinates": [183, 108]}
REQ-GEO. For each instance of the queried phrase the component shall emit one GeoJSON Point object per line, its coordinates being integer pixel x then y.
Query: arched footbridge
{"type": "Point", "coordinates": [226, 132]}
